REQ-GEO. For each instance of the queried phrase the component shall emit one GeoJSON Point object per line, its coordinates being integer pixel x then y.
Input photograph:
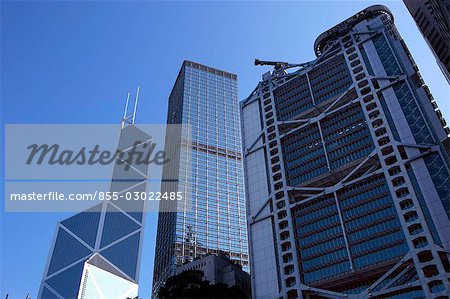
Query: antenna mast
{"type": "Point", "coordinates": [128, 119]}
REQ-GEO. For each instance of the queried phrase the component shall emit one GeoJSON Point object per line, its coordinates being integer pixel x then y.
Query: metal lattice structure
{"type": "Point", "coordinates": [347, 173]}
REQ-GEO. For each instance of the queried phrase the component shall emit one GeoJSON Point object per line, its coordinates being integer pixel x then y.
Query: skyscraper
{"type": "Point", "coordinates": [96, 253]}
{"type": "Point", "coordinates": [433, 20]}
{"type": "Point", "coordinates": [346, 171]}
{"type": "Point", "coordinates": [206, 100]}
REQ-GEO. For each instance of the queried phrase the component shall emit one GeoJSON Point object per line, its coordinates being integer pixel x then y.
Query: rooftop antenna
{"type": "Point", "coordinates": [135, 104]}
{"type": "Point", "coordinates": [128, 119]}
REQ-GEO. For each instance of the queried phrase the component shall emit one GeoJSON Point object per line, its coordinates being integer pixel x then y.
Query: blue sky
{"type": "Point", "coordinates": [74, 62]}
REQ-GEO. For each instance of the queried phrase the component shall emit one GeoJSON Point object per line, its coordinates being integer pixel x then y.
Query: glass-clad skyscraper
{"type": "Point", "coordinates": [96, 253]}
{"type": "Point", "coordinates": [347, 172]}
{"type": "Point", "coordinates": [432, 17]}
{"type": "Point", "coordinates": [214, 222]}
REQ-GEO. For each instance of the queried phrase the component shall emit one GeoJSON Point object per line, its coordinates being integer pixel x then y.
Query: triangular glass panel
{"type": "Point", "coordinates": [124, 254]}
{"type": "Point", "coordinates": [67, 283]}
{"type": "Point", "coordinates": [85, 224]}
{"type": "Point", "coordinates": [67, 250]}
{"type": "Point", "coordinates": [133, 207]}
{"type": "Point", "coordinates": [47, 294]}
{"type": "Point", "coordinates": [117, 225]}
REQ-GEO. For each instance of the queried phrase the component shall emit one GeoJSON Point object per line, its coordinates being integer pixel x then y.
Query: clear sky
{"type": "Point", "coordinates": [74, 62]}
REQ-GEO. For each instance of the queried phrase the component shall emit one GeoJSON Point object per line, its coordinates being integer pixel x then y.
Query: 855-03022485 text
{"type": "Point", "coordinates": [97, 195]}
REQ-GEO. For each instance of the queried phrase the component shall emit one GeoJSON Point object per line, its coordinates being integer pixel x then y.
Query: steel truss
{"type": "Point", "coordinates": [279, 200]}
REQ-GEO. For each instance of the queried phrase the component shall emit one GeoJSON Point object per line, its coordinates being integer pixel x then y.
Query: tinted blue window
{"type": "Point", "coordinates": [440, 177]}
{"type": "Point", "coordinates": [389, 118]}
{"type": "Point", "coordinates": [293, 98]}
{"type": "Point", "coordinates": [386, 56]}
{"type": "Point", "coordinates": [67, 283]}
{"type": "Point", "coordinates": [46, 294]}
{"type": "Point", "coordinates": [124, 254]}
{"type": "Point", "coordinates": [366, 60]}
{"type": "Point", "coordinates": [117, 225]}
{"type": "Point", "coordinates": [66, 251]}
{"type": "Point", "coordinates": [412, 113]}
{"type": "Point", "coordinates": [85, 224]}
{"type": "Point", "coordinates": [330, 79]}
{"type": "Point", "coordinates": [304, 155]}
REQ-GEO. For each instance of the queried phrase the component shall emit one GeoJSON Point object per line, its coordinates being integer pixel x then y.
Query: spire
{"type": "Point", "coordinates": [128, 119]}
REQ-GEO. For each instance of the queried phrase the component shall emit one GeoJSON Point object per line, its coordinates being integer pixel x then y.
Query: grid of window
{"type": "Point", "coordinates": [372, 229]}
{"type": "Point", "coordinates": [346, 135]}
{"type": "Point", "coordinates": [293, 98]}
{"type": "Point", "coordinates": [346, 194]}
{"type": "Point", "coordinates": [346, 138]}
{"type": "Point", "coordinates": [416, 121]}
{"type": "Point", "coordinates": [216, 223]}
{"type": "Point", "coordinates": [320, 239]}
{"type": "Point", "coordinates": [304, 155]}
{"type": "Point", "coordinates": [330, 79]}
{"type": "Point", "coordinates": [412, 113]}
{"type": "Point", "coordinates": [371, 222]}
{"type": "Point", "coordinates": [387, 58]}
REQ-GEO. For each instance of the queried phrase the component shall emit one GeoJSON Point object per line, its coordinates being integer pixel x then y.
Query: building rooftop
{"type": "Point", "coordinates": [345, 26]}
{"type": "Point", "coordinates": [209, 69]}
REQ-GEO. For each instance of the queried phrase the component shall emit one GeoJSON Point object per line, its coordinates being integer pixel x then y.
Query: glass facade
{"type": "Point", "coordinates": [431, 18]}
{"type": "Point", "coordinates": [111, 231]}
{"type": "Point", "coordinates": [206, 100]}
{"type": "Point", "coordinates": [350, 174]}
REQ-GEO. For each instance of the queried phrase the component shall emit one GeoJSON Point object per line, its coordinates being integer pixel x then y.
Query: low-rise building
{"type": "Point", "coordinates": [218, 269]}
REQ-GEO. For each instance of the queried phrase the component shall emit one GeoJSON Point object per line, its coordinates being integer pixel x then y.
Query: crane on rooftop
{"type": "Point", "coordinates": [281, 67]}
